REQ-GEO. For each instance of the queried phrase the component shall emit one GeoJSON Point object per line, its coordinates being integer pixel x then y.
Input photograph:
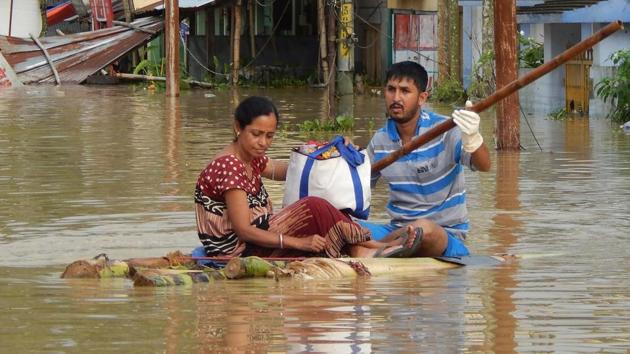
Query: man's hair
{"type": "Point", "coordinates": [409, 70]}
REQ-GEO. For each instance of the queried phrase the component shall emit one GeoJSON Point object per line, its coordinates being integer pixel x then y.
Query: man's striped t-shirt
{"type": "Point", "coordinates": [428, 182]}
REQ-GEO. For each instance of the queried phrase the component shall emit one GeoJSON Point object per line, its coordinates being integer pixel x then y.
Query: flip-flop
{"type": "Point", "coordinates": [395, 253]}
{"type": "Point", "coordinates": [411, 251]}
{"type": "Point", "coordinates": [402, 252]}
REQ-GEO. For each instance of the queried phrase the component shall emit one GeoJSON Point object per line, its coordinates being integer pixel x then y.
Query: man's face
{"type": "Point", "coordinates": [403, 99]}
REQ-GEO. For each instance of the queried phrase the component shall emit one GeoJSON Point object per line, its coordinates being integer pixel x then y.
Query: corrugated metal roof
{"type": "Point", "coordinates": [555, 6]}
{"type": "Point", "coordinates": [75, 56]}
{"type": "Point", "coordinates": [194, 3]}
{"type": "Point", "coordinates": [190, 4]}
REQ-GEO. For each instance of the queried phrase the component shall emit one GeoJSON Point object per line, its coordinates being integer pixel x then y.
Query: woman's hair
{"type": "Point", "coordinates": [252, 107]}
{"type": "Point", "coordinates": [409, 70]}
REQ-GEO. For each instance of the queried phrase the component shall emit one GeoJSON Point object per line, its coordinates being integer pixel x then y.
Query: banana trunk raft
{"type": "Point", "coordinates": [179, 269]}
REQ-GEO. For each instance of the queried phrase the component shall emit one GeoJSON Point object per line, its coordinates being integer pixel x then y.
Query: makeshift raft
{"type": "Point", "coordinates": [180, 269]}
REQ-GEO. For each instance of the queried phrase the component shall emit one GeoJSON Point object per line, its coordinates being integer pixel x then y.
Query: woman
{"type": "Point", "coordinates": [234, 212]}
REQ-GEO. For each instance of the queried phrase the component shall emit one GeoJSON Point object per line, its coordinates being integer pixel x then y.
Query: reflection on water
{"type": "Point", "coordinates": [86, 170]}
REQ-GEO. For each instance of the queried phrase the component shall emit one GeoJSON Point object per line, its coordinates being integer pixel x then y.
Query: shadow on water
{"type": "Point", "coordinates": [86, 170]}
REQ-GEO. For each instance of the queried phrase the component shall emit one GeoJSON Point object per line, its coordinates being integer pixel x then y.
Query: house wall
{"type": "Point", "coordinates": [21, 18]}
{"type": "Point", "coordinates": [618, 40]}
{"type": "Point", "coordinates": [548, 92]}
{"type": "Point", "coordinates": [603, 66]}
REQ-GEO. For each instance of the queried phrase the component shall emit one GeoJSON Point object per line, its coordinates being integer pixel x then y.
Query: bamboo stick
{"type": "Point", "coordinates": [48, 58]}
{"type": "Point", "coordinates": [500, 94]}
{"type": "Point", "coordinates": [139, 77]}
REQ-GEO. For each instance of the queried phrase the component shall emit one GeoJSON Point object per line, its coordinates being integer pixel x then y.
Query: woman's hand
{"type": "Point", "coordinates": [313, 243]}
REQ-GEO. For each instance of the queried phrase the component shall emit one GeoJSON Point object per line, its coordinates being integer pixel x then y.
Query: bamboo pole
{"type": "Point", "coordinates": [48, 58]}
{"type": "Point", "coordinates": [501, 94]}
{"type": "Point", "coordinates": [138, 77]}
{"type": "Point", "coordinates": [251, 11]}
{"type": "Point", "coordinates": [237, 42]}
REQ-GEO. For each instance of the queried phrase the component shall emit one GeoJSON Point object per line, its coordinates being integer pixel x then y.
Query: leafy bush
{"type": "Point", "coordinates": [558, 114]}
{"type": "Point", "coordinates": [531, 53]}
{"type": "Point", "coordinates": [483, 80]}
{"type": "Point", "coordinates": [448, 90]}
{"type": "Point", "coordinates": [340, 124]}
{"type": "Point", "coordinates": [617, 88]}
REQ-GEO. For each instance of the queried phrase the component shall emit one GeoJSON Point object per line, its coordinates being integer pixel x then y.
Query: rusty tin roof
{"type": "Point", "coordinates": [75, 56]}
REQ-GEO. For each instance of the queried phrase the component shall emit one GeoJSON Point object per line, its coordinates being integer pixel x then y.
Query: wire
{"type": "Point", "coordinates": [198, 61]}
{"type": "Point", "coordinates": [273, 32]}
{"type": "Point", "coordinates": [530, 127]}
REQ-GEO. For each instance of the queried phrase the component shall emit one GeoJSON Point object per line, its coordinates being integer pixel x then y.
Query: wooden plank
{"type": "Point", "coordinates": [8, 78]}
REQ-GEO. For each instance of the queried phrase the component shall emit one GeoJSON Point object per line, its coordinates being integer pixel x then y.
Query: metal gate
{"type": "Point", "coordinates": [577, 83]}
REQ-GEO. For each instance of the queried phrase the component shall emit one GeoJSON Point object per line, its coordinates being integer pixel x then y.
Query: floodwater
{"type": "Point", "coordinates": [87, 170]}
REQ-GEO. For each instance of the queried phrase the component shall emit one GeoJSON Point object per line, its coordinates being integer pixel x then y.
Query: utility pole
{"type": "Point", "coordinates": [236, 45]}
{"type": "Point", "coordinates": [171, 31]}
{"type": "Point", "coordinates": [507, 113]}
{"type": "Point", "coordinates": [331, 50]}
{"type": "Point", "coordinates": [345, 59]}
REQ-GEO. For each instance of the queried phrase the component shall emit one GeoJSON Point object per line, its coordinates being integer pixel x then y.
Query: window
{"type": "Point", "coordinates": [200, 23]}
{"type": "Point", "coordinates": [222, 21]}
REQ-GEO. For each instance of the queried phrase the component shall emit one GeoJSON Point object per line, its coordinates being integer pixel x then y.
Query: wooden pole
{"type": "Point", "coordinates": [10, 16]}
{"type": "Point", "coordinates": [443, 40]}
{"type": "Point", "coordinates": [500, 94]}
{"type": "Point", "coordinates": [331, 29]}
{"type": "Point", "coordinates": [506, 58]}
{"type": "Point", "coordinates": [321, 26]}
{"type": "Point", "coordinates": [251, 11]}
{"type": "Point", "coordinates": [171, 31]}
{"type": "Point", "coordinates": [48, 59]}
{"type": "Point", "coordinates": [237, 42]}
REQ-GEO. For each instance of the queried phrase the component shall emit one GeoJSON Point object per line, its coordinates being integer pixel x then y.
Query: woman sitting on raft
{"type": "Point", "coordinates": [234, 212]}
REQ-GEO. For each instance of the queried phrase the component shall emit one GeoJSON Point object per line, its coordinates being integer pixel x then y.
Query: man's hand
{"type": "Point", "coordinates": [468, 122]}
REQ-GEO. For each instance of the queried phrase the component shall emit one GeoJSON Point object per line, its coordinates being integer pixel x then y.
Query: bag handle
{"type": "Point", "coordinates": [348, 153]}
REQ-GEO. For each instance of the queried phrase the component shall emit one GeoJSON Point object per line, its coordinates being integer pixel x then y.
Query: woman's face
{"type": "Point", "coordinates": [255, 138]}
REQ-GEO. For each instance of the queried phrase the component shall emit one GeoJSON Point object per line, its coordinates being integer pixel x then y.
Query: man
{"type": "Point", "coordinates": [426, 186]}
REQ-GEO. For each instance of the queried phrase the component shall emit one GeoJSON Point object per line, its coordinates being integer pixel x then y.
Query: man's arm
{"type": "Point", "coordinates": [481, 158]}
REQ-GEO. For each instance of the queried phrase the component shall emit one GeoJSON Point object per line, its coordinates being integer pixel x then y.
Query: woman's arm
{"type": "Point", "coordinates": [238, 214]}
{"type": "Point", "coordinates": [276, 170]}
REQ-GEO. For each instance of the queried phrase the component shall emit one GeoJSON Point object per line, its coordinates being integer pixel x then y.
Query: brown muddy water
{"type": "Point", "coordinates": [86, 170]}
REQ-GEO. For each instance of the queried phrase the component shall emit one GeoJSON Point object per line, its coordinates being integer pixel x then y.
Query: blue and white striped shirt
{"type": "Point", "coordinates": [429, 181]}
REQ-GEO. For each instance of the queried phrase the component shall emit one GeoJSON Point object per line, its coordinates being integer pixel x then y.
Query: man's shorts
{"type": "Point", "coordinates": [454, 248]}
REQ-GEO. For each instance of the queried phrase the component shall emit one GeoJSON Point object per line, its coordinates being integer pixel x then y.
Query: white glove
{"type": "Point", "coordinates": [468, 122]}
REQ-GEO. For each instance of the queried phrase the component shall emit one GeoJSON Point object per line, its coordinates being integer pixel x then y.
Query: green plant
{"type": "Point", "coordinates": [558, 114]}
{"type": "Point", "coordinates": [150, 68]}
{"type": "Point", "coordinates": [448, 90]}
{"type": "Point", "coordinates": [531, 53]}
{"type": "Point", "coordinates": [341, 123]}
{"type": "Point", "coordinates": [483, 81]}
{"type": "Point", "coordinates": [617, 88]}
{"type": "Point", "coordinates": [371, 125]}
